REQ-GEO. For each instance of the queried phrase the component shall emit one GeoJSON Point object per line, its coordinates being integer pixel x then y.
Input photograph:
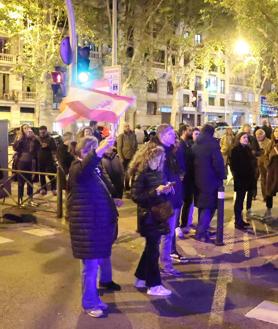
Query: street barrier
{"type": "Point", "coordinates": [23, 203]}
{"type": "Point", "coordinates": [220, 217]}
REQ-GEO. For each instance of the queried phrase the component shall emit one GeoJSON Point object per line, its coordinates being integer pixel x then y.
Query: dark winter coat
{"type": "Point", "coordinates": [174, 168]}
{"type": "Point", "coordinates": [26, 149]}
{"type": "Point", "coordinates": [188, 179]}
{"type": "Point", "coordinates": [46, 154]}
{"type": "Point", "coordinates": [209, 170]}
{"type": "Point", "coordinates": [144, 194]}
{"type": "Point", "coordinates": [115, 170]}
{"type": "Point", "coordinates": [91, 209]}
{"type": "Point", "coordinates": [243, 166]}
{"type": "Point", "coordinates": [65, 159]}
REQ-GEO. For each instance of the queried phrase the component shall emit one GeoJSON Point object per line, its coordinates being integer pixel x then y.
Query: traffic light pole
{"type": "Point", "coordinates": [114, 33]}
{"type": "Point", "coordinates": [73, 43]}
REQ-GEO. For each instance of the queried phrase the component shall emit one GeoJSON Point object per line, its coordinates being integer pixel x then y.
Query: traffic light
{"type": "Point", "coordinates": [83, 63]}
{"type": "Point", "coordinates": [194, 98]}
{"type": "Point", "coordinates": [58, 86]}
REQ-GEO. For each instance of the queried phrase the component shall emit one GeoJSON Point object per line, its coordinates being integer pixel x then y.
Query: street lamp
{"type": "Point", "coordinates": [241, 47]}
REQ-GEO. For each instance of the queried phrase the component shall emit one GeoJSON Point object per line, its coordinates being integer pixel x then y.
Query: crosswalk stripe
{"type": "Point", "coordinates": [5, 240]}
{"type": "Point", "coordinates": [41, 232]}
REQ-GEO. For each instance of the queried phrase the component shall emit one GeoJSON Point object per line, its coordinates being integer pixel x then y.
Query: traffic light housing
{"type": "Point", "coordinates": [83, 64]}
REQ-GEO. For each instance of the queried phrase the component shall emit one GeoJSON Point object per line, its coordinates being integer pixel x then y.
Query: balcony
{"type": "Point", "coordinates": [239, 82]}
{"type": "Point", "coordinates": [18, 96]}
{"type": "Point", "coordinates": [7, 59]}
{"type": "Point", "coordinates": [238, 103]}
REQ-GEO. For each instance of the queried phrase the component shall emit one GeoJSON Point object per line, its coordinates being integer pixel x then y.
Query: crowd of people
{"type": "Point", "coordinates": [166, 175]}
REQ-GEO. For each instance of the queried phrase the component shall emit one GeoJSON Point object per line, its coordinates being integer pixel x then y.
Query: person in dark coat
{"type": "Point", "coordinates": [267, 129]}
{"type": "Point", "coordinates": [256, 150]}
{"type": "Point", "coordinates": [47, 159]}
{"type": "Point", "coordinates": [65, 157]}
{"type": "Point", "coordinates": [243, 167]}
{"type": "Point", "coordinates": [114, 168]}
{"type": "Point", "coordinates": [26, 146]}
{"type": "Point", "coordinates": [92, 216]}
{"type": "Point", "coordinates": [209, 172]}
{"type": "Point", "coordinates": [272, 173]}
{"type": "Point", "coordinates": [186, 143]}
{"type": "Point", "coordinates": [149, 189]}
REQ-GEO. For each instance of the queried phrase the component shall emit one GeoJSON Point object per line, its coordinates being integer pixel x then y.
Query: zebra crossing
{"type": "Point", "coordinates": [38, 232]}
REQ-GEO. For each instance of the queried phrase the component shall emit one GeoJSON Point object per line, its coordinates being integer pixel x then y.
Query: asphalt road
{"type": "Point", "coordinates": [40, 280]}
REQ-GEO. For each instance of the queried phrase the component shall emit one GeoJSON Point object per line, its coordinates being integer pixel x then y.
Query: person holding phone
{"type": "Point", "coordinates": [150, 191]}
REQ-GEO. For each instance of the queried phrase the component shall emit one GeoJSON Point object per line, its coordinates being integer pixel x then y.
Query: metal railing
{"type": "Point", "coordinates": [22, 203]}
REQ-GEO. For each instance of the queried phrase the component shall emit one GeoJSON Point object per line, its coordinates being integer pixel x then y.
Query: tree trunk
{"type": "Point", "coordinates": [175, 107]}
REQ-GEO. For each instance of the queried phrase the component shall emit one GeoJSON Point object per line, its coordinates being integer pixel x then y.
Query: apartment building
{"type": "Point", "coordinates": [215, 94]}
{"type": "Point", "coordinates": [17, 100]}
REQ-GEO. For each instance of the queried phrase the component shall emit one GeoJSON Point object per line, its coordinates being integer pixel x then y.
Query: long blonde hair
{"type": "Point", "coordinates": [142, 157]}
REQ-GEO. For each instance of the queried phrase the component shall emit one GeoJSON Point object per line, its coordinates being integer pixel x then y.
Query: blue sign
{"type": "Point", "coordinates": [267, 110]}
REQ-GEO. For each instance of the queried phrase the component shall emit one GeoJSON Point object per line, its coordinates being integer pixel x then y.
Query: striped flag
{"type": "Point", "coordinates": [93, 105]}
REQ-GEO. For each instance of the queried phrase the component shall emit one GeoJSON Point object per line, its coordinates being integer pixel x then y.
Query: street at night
{"type": "Point", "coordinates": [40, 280]}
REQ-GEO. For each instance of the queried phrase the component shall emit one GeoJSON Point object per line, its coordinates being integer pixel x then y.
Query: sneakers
{"type": "Point", "coordinates": [103, 306]}
{"type": "Point", "coordinates": [171, 272]}
{"type": "Point", "coordinates": [203, 238]}
{"type": "Point", "coordinates": [54, 192]}
{"type": "Point", "coordinates": [242, 225]}
{"type": "Point", "coordinates": [110, 286]}
{"type": "Point", "coordinates": [179, 258]}
{"type": "Point", "coordinates": [179, 233]}
{"type": "Point", "coordinates": [140, 283]}
{"type": "Point", "coordinates": [95, 312]}
{"type": "Point", "coordinates": [43, 192]}
{"type": "Point", "coordinates": [159, 291]}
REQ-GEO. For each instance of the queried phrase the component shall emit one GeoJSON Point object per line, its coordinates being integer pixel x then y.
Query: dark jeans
{"type": "Point", "coordinates": [127, 177]}
{"type": "Point", "coordinates": [269, 202]}
{"type": "Point", "coordinates": [22, 165]}
{"type": "Point", "coordinates": [204, 218]}
{"type": "Point", "coordinates": [238, 206]}
{"type": "Point", "coordinates": [148, 267]}
{"type": "Point", "coordinates": [186, 210]}
{"type": "Point", "coordinates": [51, 168]}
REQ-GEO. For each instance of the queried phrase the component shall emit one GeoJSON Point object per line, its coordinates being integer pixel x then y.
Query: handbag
{"type": "Point", "coordinates": [162, 211]}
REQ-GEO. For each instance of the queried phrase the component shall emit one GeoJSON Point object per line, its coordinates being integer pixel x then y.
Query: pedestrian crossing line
{"type": "Point", "coordinates": [41, 232]}
{"type": "Point", "coordinates": [266, 311]}
{"type": "Point", "coordinates": [5, 240]}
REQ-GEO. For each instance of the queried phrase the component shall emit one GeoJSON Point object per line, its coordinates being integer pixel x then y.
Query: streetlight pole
{"type": "Point", "coordinates": [114, 33]}
{"type": "Point", "coordinates": [73, 43]}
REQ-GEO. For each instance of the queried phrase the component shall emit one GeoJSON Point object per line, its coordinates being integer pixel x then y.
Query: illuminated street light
{"type": "Point", "coordinates": [242, 47]}
{"type": "Point", "coordinates": [83, 77]}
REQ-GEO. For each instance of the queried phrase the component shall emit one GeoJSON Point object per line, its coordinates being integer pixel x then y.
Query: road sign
{"type": "Point", "coordinates": [113, 75]}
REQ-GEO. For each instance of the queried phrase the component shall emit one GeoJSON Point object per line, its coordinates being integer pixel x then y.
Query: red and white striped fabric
{"type": "Point", "coordinates": [92, 104]}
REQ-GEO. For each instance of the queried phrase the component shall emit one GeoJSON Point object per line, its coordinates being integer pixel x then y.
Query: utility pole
{"type": "Point", "coordinates": [114, 33]}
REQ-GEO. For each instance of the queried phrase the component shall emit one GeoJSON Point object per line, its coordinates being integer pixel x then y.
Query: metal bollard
{"type": "Point", "coordinates": [220, 217]}
{"type": "Point", "coordinates": [59, 194]}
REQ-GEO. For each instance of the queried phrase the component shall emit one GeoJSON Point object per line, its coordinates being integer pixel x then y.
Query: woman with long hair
{"type": "Point", "coordinates": [151, 193]}
{"type": "Point", "coordinates": [243, 166]}
{"type": "Point", "coordinates": [26, 147]}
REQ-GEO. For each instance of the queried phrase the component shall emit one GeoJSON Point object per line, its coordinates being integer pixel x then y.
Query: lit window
{"type": "Point", "coordinates": [238, 96]}
{"type": "Point", "coordinates": [198, 39]}
{"type": "Point", "coordinates": [222, 86]}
